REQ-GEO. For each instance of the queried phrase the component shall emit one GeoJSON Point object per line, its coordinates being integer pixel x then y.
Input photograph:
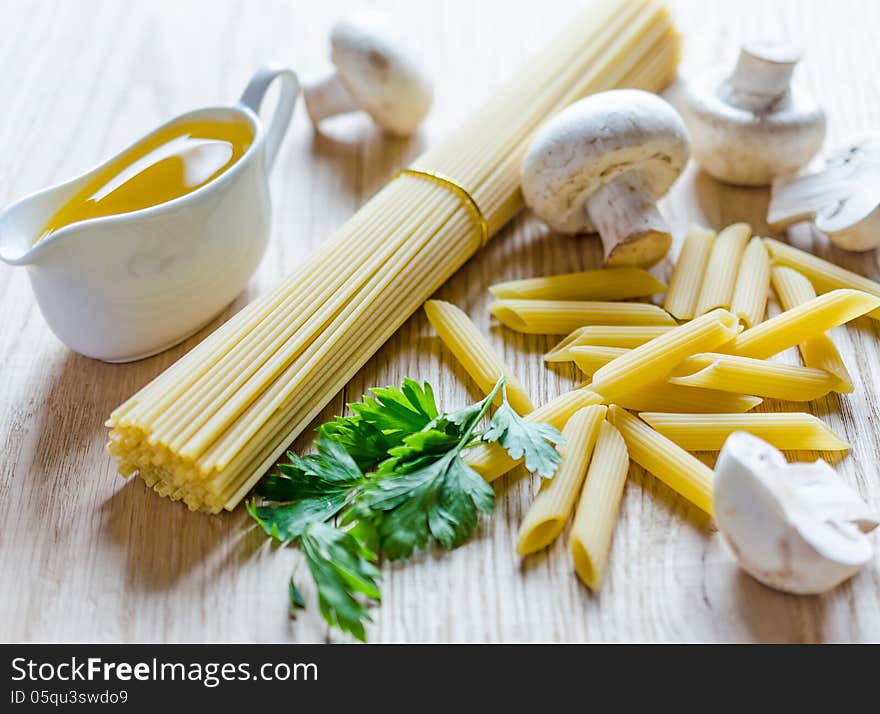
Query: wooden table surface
{"type": "Point", "coordinates": [88, 556]}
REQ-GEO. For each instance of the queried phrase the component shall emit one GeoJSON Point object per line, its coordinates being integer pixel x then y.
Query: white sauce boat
{"type": "Point", "coordinates": [124, 287]}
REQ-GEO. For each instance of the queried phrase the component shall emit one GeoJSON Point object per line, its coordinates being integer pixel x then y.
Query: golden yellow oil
{"type": "Point", "coordinates": [168, 164]}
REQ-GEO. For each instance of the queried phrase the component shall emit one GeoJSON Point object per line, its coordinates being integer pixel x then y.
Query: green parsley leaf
{"type": "Point", "coordinates": [379, 423]}
{"type": "Point", "coordinates": [520, 437]}
{"type": "Point", "coordinates": [342, 570]}
{"type": "Point", "coordinates": [439, 499]}
{"type": "Point", "coordinates": [426, 490]}
{"type": "Point", "coordinates": [398, 412]}
{"type": "Point", "coordinates": [393, 474]}
{"type": "Point", "coordinates": [313, 488]}
{"type": "Point", "coordinates": [366, 444]}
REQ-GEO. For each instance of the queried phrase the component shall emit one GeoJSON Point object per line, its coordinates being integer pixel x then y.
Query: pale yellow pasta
{"type": "Point", "coordinates": [598, 505]}
{"type": "Point", "coordinates": [823, 274]}
{"type": "Point", "coordinates": [722, 268]}
{"type": "Point", "coordinates": [749, 302]}
{"type": "Point", "coordinates": [591, 359]}
{"type": "Point", "coordinates": [665, 397]}
{"type": "Point", "coordinates": [473, 351]}
{"type": "Point", "coordinates": [552, 506]}
{"type": "Point", "coordinates": [708, 432]}
{"type": "Point", "coordinates": [606, 336]}
{"type": "Point", "coordinates": [793, 289]}
{"type": "Point", "coordinates": [654, 360]}
{"type": "Point", "coordinates": [606, 284]}
{"type": "Point", "coordinates": [687, 276]}
{"type": "Point", "coordinates": [491, 461]}
{"type": "Point", "coordinates": [208, 428]}
{"type": "Point", "coordinates": [745, 375]}
{"type": "Point", "coordinates": [801, 323]}
{"type": "Point", "coordinates": [682, 472]}
{"type": "Point", "coordinates": [559, 317]}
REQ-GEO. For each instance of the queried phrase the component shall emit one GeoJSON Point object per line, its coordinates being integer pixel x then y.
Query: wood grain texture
{"type": "Point", "coordinates": [88, 556]}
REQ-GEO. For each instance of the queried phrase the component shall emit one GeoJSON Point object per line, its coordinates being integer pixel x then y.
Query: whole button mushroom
{"type": "Point", "coordinates": [374, 73]}
{"type": "Point", "coordinates": [601, 165]}
{"type": "Point", "coordinates": [753, 125]}
{"type": "Point", "coordinates": [843, 199]}
{"type": "Point", "coordinates": [794, 527]}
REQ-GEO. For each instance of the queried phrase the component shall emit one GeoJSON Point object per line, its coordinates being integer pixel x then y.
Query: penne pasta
{"type": "Point", "coordinates": [824, 275]}
{"type": "Point", "coordinates": [745, 375]}
{"type": "Point", "coordinates": [552, 506]}
{"type": "Point", "coordinates": [606, 336]}
{"type": "Point", "coordinates": [708, 432]}
{"type": "Point", "coordinates": [473, 351]}
{"type": "Point", "coordinates": [598, 505]}
{"type": "Point", "coordinates": [606, 284]}
{"type": "Point", "coordinates": [687, 276]}
{"type": "Point", "coordinates": [682, 472]}
{"type": "Point", "coordinates": [590, 359]}
{"type": "Point", "coordinates": [793, 289]}
{"type": "Point", "coordinates": [749, 302]}
{"type": "Point", "coordinates": [665, 397]}
{"type": "Point", "coordinates": [491, 460]}
{"type": "Point", "coordinates": [722, 268]}
{"type": "Point", "coordinates": [801, 323]}
{"type": "Point", "coordinates": [560, 317]}
{"type": "Point", "coordinates": [654, 360]}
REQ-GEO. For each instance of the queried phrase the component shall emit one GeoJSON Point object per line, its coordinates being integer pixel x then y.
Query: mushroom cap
{"type": "Point", "coordinates": [384, 78]}
{"type": "Point", "coordinates": [594, 141]}
{"type": "Point", "coordinates": [742, 145]}
{"type": "Point", "coordinates": [843, 199]}
{"type": "Point", "coordinates": [794, 527]}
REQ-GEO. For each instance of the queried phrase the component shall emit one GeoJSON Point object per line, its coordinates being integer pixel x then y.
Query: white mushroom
{"type": "Point", "coordinates": [843, 199]}
{"type": "Point", "coordinates": [754, 124]}
{"type": "Point", "coordinates": [375, 73]}
{"type": "Point", "coordinates": [795, 527]}
{"type": "Point", "coordinates": [601, 165]}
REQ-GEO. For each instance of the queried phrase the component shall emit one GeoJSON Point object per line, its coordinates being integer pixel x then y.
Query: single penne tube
{"type": "Point", "coordinates": [801, 323]}
{"type": "Point", "coordinates": [606, 336]}
{"type": "Point", "coordinates": [745, 375]}
{"type": "Point", "coordinates": [723, 268]}
{"type": "Point", "coordinates": [682, 472]}
{"type": "Point", "coordinates": [592, 358]}
{"type": "Point", "coordinates": [474, 353]}
{"type": "Point", "coordinates": [665, 397]}
{"type": "Point", "coordinates": [552, 506]}
{"type": "Point", "coordinates": [749, 301]}
{"type": "Point", "coordinates": [560, 317]}
{"type": "Point", "coordinates": [606, 284]}
{"type": "Point", "coordinates": [708, 432]}
{"type": "Point", "coordinates": [823, 274]}
{"type": "Point", "coordinates": [687, 276]}
{"type": "Point", "coordinates": [491, 461]}
{"type": "Point", "coordinates": [597, 508]}
{"type": "Point", "coordinates": [793, 289]}
{"type": "Point", "coordinates": [654, 360]}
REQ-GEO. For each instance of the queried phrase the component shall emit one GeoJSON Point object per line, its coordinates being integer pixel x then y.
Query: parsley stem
{"type": "Point", "coordinates": [484, 408]}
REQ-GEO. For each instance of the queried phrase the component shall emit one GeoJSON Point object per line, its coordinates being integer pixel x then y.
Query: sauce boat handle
{"type": "Point", "coordinates": [252, 98]}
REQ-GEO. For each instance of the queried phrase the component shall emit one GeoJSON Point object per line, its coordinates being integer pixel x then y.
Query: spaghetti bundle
{"type": "Point", "coordinates": [205, 430]}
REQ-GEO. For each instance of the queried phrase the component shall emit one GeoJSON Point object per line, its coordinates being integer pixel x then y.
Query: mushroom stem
{"type": "Point", "coordinates": [765, 69]}
{"type": "Point", "coordinates": [328, 98]}
{"type": "Point", "coordinates": [625, 215]}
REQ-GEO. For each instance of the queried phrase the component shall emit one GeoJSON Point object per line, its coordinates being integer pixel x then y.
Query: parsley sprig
{"type": "Point", "coordinates": [392, 475]}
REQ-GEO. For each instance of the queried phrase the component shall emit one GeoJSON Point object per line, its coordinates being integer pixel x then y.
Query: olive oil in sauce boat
{"type": "Point", "coordinates": [134, 256]}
